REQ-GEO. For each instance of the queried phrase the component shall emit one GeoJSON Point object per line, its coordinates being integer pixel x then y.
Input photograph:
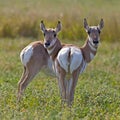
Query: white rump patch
{"type": "Point", "coordinates": [75, 58]}
{"type": "Point", "coordinates": [63, 58]}
{"type": "Point", "coordinates": [26, 54]}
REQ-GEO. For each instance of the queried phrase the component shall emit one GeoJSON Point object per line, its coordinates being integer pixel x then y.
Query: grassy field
{"type": "Point", "coordinates": [22, 17]}
{"type": "Point", "coordinates": [97, 94]}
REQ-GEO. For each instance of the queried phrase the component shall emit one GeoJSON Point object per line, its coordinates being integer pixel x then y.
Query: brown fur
{"type": "Point", "coordinates": [38, 60]}
{"type": "Point", "coordinates": [67, 87]}
{"type": "Point", "coordinates": [86, 50]}
{"type": "Point", "coordinates": [57, 48]}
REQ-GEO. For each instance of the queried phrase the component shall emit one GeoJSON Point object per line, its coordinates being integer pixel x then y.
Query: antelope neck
{"type": "Point", "coordinates": [53, 50]}
{"type": "Point", "coordinates": [89, 51]}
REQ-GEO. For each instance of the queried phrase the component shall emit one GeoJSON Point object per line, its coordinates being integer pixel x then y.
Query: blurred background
{"type": "Point", "coordinates": [21, 18]}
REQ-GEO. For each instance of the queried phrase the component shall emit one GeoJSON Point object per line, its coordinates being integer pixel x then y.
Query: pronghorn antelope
{"type": "Point", "coordinates": [69, 61]}
{"type": "Point", "coordinates": [34, 57]}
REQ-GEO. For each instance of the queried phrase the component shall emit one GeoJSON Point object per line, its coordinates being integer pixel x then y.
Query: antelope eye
{"type": "Point", "coordinates": [88, 32]}
{"type": "Point", "coordinates": [99, 31]}
{"type": "Point", "coordinates": [54, 35]}
{"type": "Point", "coordinates": [45, 32]}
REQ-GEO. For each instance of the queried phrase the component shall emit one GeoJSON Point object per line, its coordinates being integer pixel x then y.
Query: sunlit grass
{"type": "Point", "coordinates": [24, 17]}
{"type": "Point", "coordinates": [97, 93]}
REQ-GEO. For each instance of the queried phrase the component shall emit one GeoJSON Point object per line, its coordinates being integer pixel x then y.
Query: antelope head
{"type": "Point", "coordinates": [94, 32]}
{"type": "Point", "coordinates": [50, 35]}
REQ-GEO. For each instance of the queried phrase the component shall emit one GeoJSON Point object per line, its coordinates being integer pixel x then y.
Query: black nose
{"type": "Point", "coordinates": [47, 44]}
{"type": "Point", "coordinates": [95, 42]}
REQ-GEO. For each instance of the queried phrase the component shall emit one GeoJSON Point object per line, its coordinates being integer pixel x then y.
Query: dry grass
{"type": "Point", "coordinates": [24, 17]}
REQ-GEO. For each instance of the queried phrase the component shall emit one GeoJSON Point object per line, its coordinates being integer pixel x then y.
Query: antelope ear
{"type": "Point", "coordinates": [101, 25]}
{"type": "Point", "coordinates": [58, 28]}
{"type": "Point", "coordinates": [86, 26]}
{"type": "Point", "coordinates": [42, 26]}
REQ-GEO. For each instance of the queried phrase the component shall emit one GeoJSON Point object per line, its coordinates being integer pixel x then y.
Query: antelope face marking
{"type": "Point", "coordinates": [49, 38]}
{"type": "Point", "coordinates": [94, 35]}
{"type": "Point", "coordinates": [93, 32]}
{"type": "Point", "coordinates": [50, 35]}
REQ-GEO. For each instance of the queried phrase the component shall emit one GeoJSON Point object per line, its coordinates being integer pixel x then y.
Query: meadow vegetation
{"type": "Point", "coordinates": [97, 95]}
{"type": "Point", "coordinates": [22, 18]}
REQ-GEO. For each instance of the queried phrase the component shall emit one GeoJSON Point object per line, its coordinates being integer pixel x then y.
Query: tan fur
{"type": "Point", "coordinates": [67, 87]}
{"type": "Point", "coordinates": [67, 81]}
{"type": "Point", "coordinates": [38, 60]}
{"type": "Point", "coordinates": [86, 51]}
{"type": "Point", "coordinates": [57, 47]}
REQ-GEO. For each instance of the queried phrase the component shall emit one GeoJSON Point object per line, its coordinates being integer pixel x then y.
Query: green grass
{"type": "Point", "coordinates": [97, 95]}
{"type": "Point", "coordinates": [22, 17]}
